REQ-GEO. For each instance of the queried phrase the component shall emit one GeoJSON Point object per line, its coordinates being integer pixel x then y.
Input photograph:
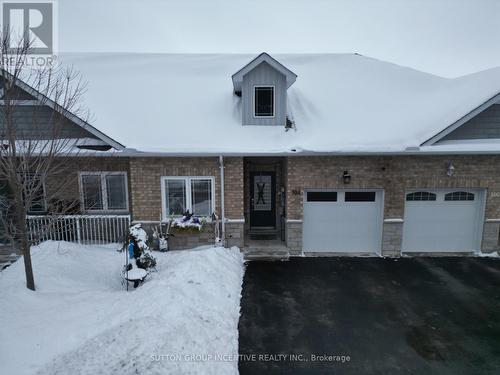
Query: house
{"type": "Point", "coordinates": [321, 154]}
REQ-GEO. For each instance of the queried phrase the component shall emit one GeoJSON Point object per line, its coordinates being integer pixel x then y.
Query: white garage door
{"type": "Point", "coordinates": [342, 221]}
{"type": "Point", "coordinates": [443, 220]}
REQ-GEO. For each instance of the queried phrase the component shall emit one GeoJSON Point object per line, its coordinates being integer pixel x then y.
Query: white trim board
{"type": "Point", "coordinates": [396, 220]}
{"type": "Point", "coordinates": [263, 57]}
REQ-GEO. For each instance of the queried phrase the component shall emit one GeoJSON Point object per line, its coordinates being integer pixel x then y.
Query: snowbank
{"type": "Point", "coordinates": [82, 321]}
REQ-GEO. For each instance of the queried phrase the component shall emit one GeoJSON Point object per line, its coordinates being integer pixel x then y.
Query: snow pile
{"type": "Point", "coordinates": [82, 321]}
{"type": "Point", "coordinates": [136, 274]}
{"type": "Point", "coordinates": [487, 255]}
{"type": "Point", "coordinates": [189, 221]}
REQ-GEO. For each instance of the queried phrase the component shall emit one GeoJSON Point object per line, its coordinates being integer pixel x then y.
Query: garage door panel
{"type": "Point", "coordinates": [443, 225]}
{"type": "Point", "coordinates": [343, 226]}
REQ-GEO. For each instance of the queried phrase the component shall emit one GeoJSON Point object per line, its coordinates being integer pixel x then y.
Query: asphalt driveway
{"type": "Point", "coordinates": [371, 316]}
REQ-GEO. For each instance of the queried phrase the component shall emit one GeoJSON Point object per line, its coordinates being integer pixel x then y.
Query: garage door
{"type": "Point", "coordinates": [443, 221]}
{"type": "Point", "coordinates": [342, 221]}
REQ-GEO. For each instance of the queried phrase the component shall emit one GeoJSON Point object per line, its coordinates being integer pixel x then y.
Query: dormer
{"type": "Point", "coordinates": [262, 85]}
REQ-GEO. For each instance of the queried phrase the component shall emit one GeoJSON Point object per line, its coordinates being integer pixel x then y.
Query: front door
{"type": "Point", "coordinates": [262, 200]}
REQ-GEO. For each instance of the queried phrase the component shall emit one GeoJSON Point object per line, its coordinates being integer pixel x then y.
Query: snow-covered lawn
{"type": "Point", "coordinates": [82, 321]}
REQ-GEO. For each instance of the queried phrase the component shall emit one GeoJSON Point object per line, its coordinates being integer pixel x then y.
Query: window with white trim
{"type": "Point", "coordinates": [104, 191]}
{"type": "Point", "coordinates": [193, 194]}
{"type": "Point", "coordinates": [264, 101]}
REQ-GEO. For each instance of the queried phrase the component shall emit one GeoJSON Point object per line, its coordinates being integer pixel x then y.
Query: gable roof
{"type": "Point", "coordinates": [175, 104]}
{"type": "Point", "coordinates": [263, 57]}
{"type": "Point", "coordinates": [67, 114]}
{"type": "Point", "coordinates": [452, 127]}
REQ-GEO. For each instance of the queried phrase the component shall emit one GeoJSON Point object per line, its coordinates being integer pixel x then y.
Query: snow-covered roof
{"type": "Point", "coordinates": [45, 100]}
{"type": "Point", "coordinates": [341, 103]}
{"type": "Point", "coordinates": [263, 57]}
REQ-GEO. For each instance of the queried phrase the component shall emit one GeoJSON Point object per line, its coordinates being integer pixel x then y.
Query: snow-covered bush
{"type": "Point", "coordinates": [146, 261]}
{"type": "Point", "coordinates": [140, 236]}
{"type": "Point", "coordinates": [141, 253]}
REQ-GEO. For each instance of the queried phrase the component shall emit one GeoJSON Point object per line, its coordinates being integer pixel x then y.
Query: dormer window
{"type": "Point", "coordinates": [262, 85]}
{"type": "Point", "coordinates": [264, 101]}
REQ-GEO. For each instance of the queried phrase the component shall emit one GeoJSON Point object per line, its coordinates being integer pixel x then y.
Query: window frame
{"type": "Point", "coordinates": [104, 191]}
{"type": "Point", "coordinates": [315, 196]}
{"type": "Point", "coordinates": [30, 212]}
{"type": "Point", "coordinates": [429, 194]}
{"type": "Point", "coordinates": [254, 98]}
{"type": "Point", "coordinates": [459, 194]}
{"type": "Point", "coordinates": [365, 199]}
{"type": "Point", "coordinates": [188, 191]}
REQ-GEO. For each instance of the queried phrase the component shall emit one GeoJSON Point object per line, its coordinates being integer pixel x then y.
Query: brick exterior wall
{"type": "Point", "coordinates": [396, 174]}
{"type": "Point", "coordinates": [145, 181]}
{"type": "Point", "coordinates": [71, 189]}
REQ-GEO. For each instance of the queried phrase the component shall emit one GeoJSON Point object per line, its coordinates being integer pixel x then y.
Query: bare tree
{"type": "Point", "coordinates": [35, 103]}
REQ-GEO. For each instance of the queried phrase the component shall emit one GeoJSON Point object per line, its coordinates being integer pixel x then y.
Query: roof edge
{"type": "Point", "coordinates": [69, 115]}
{"type": "Point", "coordinates": [263, 57]}
{"type": "Point", "coordinates": [455, 125]}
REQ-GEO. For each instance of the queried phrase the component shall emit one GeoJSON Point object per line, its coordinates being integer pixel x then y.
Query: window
{"type": "Point", "coordinates": [421, 196]}
{"type": "Point", "coordinates": [360, 196]}
{"type": "Point", "coordinates": [264, 101]}
{"type": "Point", "coordinates": [175, 196]}
{"type": "Point", "coordinates": [104, 191]}
{"type": "Point", "coordinates": [36, 188]}
{"type": "Point", "coordinates": [459, 196]}
{"type": "Point", "coordinates": [193, 194]}
{"type": "Point", "coordinates": [322, 196]}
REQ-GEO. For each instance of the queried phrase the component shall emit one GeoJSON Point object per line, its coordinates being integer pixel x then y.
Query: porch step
{"type": "Point", "coordinates": [266, 253]}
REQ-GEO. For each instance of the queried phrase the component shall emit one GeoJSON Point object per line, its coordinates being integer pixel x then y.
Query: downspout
{"type": "Point", "coordinates": [223, 214]}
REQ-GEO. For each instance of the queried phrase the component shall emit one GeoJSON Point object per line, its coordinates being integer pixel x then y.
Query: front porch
{"type": "Point", "coordinates": [265, 208]}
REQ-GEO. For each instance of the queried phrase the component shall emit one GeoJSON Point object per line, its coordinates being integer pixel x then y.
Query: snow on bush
{"type": "Point", "coordinates": [82, 321]}
{"type": "Point", "coordinates": [139, 254]}
{"type": "Point", "coordinates": [139, 235]}
{"type": "Point", "coordinates": [189, 221]}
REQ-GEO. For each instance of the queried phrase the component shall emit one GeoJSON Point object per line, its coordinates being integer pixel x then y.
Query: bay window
{"type": "Point", "coordinates": [104, 191]}
{"type": "Point", "coordinates": [193, 194]}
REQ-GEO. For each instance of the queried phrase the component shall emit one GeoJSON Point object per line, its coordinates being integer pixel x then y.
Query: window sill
{"type": "Point", "coordinates": [105, 212]}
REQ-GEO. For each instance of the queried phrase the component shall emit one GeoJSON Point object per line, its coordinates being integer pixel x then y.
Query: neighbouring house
{"type": "Point", "coordinates": [315, 154]}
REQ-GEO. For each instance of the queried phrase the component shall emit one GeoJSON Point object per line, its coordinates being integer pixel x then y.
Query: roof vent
{"type": "Point", "coordinates": [290, 123]}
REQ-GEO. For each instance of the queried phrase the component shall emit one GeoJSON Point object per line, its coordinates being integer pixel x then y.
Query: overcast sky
{"type": "Point", "coordinates": [444, 37]}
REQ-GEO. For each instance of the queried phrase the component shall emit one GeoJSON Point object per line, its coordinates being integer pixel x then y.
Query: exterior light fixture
{"type": "Point", "coordinates": [451, 170]}
{"type": "Point", "coordinates": [346, 177]}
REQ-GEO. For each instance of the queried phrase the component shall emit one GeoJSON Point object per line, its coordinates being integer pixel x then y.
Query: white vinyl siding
{"type": "Point", "coordinates": [104, 191]}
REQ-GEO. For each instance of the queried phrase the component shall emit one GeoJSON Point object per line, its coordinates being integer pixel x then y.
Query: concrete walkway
{"type": "Point", "coordinates": [388, 316]}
